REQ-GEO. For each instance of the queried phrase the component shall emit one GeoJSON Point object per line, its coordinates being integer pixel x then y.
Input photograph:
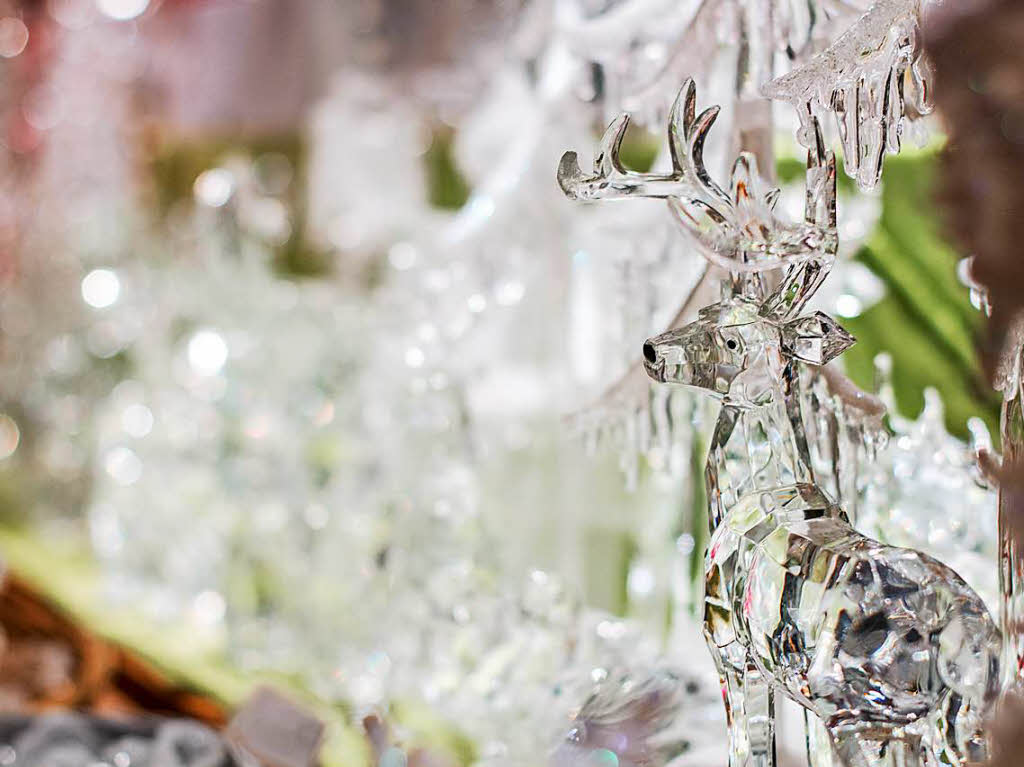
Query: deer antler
{"type": "Point", "coordinates": [735, 230]}
{"type": "Point", "coordinates": [610, 180]}
{"type": "Point", "coordinates": [804, 277]}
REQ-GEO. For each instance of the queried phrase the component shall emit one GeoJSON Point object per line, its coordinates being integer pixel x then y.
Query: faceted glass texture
{"type": "Point", "coordinates": [869, 637]}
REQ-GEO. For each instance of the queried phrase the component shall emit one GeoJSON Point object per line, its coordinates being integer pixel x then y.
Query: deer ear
{"type": "Point", "coordinates": [816, 339]}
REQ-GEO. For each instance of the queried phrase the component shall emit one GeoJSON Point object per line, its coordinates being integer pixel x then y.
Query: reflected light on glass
{"type": "Point", "coordinates": [427, 332]}
{"type": "Point", "coordinates": [13, 37]}
{"type": "Point", "coordinates": [393, 757]}
{"type": "Point", "coordinates": [316, 516]}
{"type": "Point", "coordinates": [603, 757]}
{"type": "Point", "coordinates": [43, 107]}
{"type": "Point", "coordinates": [481, 206]}
{"type": "Point", "coordinates": [324, 415]}
{"type": "Point", "coordinates": [214, 187]}
{"type": "Point", "coordinates": [101, 288]}
{"type": "Point", "coordinates": [640, 580]}
{"type": "Point", "coordinates": [611, 629]}
{"type": "Point", "coordinates": [209, 607]}
{"type": "Point", "coordinates": [402, 255]}
{"type": "Point", "coordinates": [685, 544]}
{"type": "Point", "coordinates": [10, 436]}
{"type": "Point", "coordinates": [273, 172]}
{"type": "Point", "coordinates": [70, 14]}
{"type": "Point", "coordinates": [207, 352]}
{"type": "Point", "coordinates": [122, 10]}
{"type": "Point", "coordinates": [268, 218]}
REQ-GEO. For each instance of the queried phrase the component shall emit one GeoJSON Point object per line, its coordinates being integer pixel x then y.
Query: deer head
{"type": "Point", "coordinates": [739, 348]}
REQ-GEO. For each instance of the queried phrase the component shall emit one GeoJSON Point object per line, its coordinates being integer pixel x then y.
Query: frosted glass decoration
{"type": "Point", "coordinates": [862, 79]}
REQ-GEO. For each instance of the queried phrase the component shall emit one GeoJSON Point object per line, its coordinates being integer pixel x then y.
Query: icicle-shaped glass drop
{"type": "Point", "coordinates": [862, 80]}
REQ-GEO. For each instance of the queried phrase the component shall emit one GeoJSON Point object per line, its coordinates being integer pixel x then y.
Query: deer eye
{"type": "Point", "coordinates": [731, 344]}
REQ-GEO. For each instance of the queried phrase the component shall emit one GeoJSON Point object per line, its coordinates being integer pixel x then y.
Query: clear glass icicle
{"type": "Point", "coordinates": [870, 79]}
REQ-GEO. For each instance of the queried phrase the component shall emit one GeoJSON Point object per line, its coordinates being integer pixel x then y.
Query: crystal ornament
{"type": "Point", "coordinates": [624, 698]}
{"type": "Point", "coordinates": [888, 647]}
{"type": "Point", "coordinates": [637, 420]}
{"type": "Point", "coordinates": [640, 716]}
{"type": "Point", "coordinates": [890, 650]}
{"type": "Point", "coordinates": [845, 430]}
{"type": "Point", "coordinates": [862, 79]}
{"type": "Point", "coordinates": [920, 468]}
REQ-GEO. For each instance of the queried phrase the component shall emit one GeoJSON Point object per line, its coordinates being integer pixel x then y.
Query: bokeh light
{"type": "Point", "coordinates": [10, 436]}
{"type": "Point", "coordinates": [101, 288]}
{"type": "Point", "coordinates": [122, 10]}
{"type": "Point", "coordinates": [13, 37]}
{"type": "Point", "coordinates": [207, 352]}
{"type": "Point", "coordinates": [214, 187]}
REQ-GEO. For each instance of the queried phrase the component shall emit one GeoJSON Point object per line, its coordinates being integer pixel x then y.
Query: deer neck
{"type": "Point", "coordinates": [757, 447]}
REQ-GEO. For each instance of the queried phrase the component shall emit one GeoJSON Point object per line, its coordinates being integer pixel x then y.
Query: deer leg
{"type": "Point", "coordinates": [819, 742]}
{"type": "Point", "coordinates": [750, 715]}
{"type": "Point", "coordinates": [732, 697]}
{"type": "Point", "coordinates": [760, 715]}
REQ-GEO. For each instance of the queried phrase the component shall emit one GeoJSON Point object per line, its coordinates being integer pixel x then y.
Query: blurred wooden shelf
{"type": "Point", "coordinates": [125, 663]}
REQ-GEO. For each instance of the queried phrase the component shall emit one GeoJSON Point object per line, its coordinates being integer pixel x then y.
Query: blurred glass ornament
{"type": "Point", "coordinates": [922, 467]}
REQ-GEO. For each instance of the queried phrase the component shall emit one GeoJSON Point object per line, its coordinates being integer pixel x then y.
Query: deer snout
{"type": "Point", "coordinates": [654, 363]}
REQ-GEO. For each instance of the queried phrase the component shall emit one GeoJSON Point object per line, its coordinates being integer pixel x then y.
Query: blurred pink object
{"type": "Point", "coordinates": [258, 66]}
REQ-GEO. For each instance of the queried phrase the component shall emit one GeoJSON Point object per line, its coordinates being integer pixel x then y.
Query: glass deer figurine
{"type": "Point", "coordinates": [890, 649]}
